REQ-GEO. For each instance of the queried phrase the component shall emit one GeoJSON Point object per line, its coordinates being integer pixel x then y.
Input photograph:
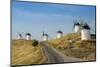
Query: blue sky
{"type": "Point", "coordinates": [38, 17]}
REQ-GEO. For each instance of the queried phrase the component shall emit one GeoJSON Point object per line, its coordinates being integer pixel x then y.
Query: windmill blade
{"type": "Point", "coordinates": [74, 22]}
{"type": "Point", "coordinates": [91, 28]}
{"type": "Point", "coordinates": [79, 17]}
{"type": "Point", "coordinates": [19, 33]}
{"type": "Point", "coordinates": [42, 34]}
{"type": "Point", "coordinates": [81, 20]}
{"type": "Point", "coordinates": [73, 25]}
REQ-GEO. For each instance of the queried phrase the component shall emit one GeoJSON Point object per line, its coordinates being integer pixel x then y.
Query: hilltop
{"type": "Point", "coordinates": [65, 39]}
{"type": "Point", "coordinates": [72, 45]}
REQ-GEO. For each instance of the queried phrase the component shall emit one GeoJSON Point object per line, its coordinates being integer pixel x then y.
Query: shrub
{"type": "Point", "coordinates": [35, 43]}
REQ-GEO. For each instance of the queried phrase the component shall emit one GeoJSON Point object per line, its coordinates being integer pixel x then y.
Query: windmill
{"type": "Point", "coordinates": [76, 26]}
{"type": "Point", "coordinates": [82, 27]}
{"type": "Point", "coordinates": [43, 33]}
{"type": "Point", "coordinates": [28, 36]}
{"type": "Point", "coordinates": [19, 35]}
{"type": "Point", "coordinates": [85, 32]}
{"type": "Point", "coordinates": [59, 34]}
{"type": "Point", "coordinates": [45, 36]}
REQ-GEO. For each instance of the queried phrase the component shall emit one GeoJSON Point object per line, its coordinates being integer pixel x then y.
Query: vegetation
{"type": "Point", "coordinates": [65, 39]}
{"type": "Point", "coordinates": [25, 52]}
{"type": "Point", "coordinates": [35, 43]}
{"type": "Point", "coordinates": [72, 45]}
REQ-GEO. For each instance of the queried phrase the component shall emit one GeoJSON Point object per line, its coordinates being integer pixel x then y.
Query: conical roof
{"type": "Point", "coordinates": [28, 34]}
{"type": "Point", "coordinates": [76, 23]}
{"type": "Point", "coordinates": [59, 31]}
{"type": "Point", "coordinates": [20, 34]}
{"type": "Point", "coordinates": [85, 26]}
{"type": "Point", "coordinates": [45, 34]}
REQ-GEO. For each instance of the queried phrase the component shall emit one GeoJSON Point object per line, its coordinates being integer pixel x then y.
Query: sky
{"type": "Point", "coordinates": [35, 17]}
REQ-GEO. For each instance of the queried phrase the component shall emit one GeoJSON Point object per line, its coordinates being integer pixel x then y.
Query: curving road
{"type": "Point", "coordinates": [54, 56]}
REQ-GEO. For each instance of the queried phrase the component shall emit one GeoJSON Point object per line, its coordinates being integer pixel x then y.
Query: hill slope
{"type": "Point", "coordinates": [23, 53]}
{"type": "Point", "coordinates": [72, 45]}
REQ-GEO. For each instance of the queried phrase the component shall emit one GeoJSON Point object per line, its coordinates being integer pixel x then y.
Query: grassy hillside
{"type": "Point", "coordinates": [72, 45]}
{"type": "Point", "coordinates": [63, 41]}
{"type": "Point", "coordinates": [24, 53]}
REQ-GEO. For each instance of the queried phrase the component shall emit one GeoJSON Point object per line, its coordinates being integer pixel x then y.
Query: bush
{"type": "Point", "coordinates": [35, 43]}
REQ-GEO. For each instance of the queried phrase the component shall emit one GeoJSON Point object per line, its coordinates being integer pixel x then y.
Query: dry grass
{"type": "Point", "coordinates": [77, 48]}
{"type": "Point", "coordinates": [23, 53]}
{"type": "Point", "coordinates": [64, 40]}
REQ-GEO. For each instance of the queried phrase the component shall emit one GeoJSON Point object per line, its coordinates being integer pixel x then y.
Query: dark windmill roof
{"type": "Point", "coordinates": [20, 34]}
{"type": "Point", "coordinates": [28, 34]}
{"type": "Point", "coordinates": [59, 31]}
{"type": "Point", "coordinates": [45, 34]}
{"type": "Point", "coordinates": [76, 23]}
{"type": "Point", "coordinates": [85, 26]}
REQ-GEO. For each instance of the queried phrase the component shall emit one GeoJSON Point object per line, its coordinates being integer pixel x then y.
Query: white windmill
{"type": "Point", "coordinates": [59, 34]}
{"type": "Point", "coordinates": [77, 27]}
{"type": "Point", "coordinates": [28, 36]}
{"type": "Point", "coordinates": [19, 36]}
{"type": "Point", "coordinates": [85, 32]}
{"type": "Point", "coordinates": [45, 36]}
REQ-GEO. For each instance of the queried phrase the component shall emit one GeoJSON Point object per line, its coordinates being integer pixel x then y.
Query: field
{"type": "Point", "coordinates": [72, 45]}
{"type": "Point", "coordinates": [24, 53]}
{"type": "Point", "coordinates": [64, 40]}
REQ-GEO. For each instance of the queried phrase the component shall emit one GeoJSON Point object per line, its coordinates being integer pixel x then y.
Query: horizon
{"type": "Point", "coordinates": [35, 17]}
